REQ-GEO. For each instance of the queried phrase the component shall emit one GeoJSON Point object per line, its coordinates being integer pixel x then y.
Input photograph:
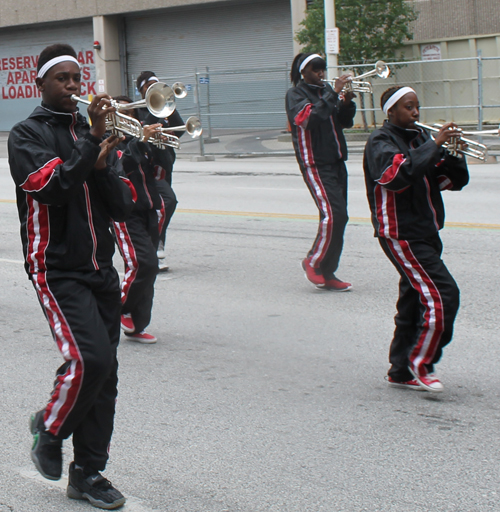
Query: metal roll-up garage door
{"type": "Point", "coordinates": [19, 50]}
{"type": "Point", "coordinates": [247, 48]}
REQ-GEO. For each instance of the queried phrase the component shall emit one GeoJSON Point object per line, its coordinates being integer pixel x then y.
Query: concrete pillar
{"type": "Point", "coordinates": [298, 10]}
{"type": "Point", "coordinates": [331, 58]}
{"type": "Point", "coordinates": [107, 58]}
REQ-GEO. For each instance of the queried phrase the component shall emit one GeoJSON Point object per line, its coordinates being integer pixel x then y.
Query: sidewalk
{"type": "Point", "coordinates": [252, 143]}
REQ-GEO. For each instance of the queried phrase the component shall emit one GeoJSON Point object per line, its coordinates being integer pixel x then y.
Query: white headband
{"type": "Point", "coordinates": [53, 62]}
{"type": "Point", "coordinates": [306, 61]}
{"type": "Point", "coordinates": [396, 97]}
{"type": "Point", "coordinates": [150, 79]}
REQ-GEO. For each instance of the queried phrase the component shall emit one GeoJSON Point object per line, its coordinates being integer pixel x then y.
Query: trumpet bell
{"type": "Point", "coordinates": [193, 127]}
{"type": "Point", "coordinates": [382, 69]}
{"type": "Point", "coordinates": [160, 99]}
{"type": "Point", "coordinates": [179, 89]}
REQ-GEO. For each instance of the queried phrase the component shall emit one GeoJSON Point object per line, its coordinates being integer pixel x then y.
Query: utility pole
{"type": "Point", "coordinates": [331, 39]}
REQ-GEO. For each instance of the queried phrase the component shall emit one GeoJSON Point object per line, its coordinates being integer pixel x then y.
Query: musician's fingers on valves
{"type": "Point", "coordinates": [341, 82]}
{"type": "Point", "coordinates": [151, 130]}
{"type": "Point", "coordinates": [447, 133]}
{"type": "Point", "coordinates": [99, 108]}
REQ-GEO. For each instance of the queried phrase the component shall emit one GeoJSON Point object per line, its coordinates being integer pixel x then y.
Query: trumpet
{"type": "Point", "coordinates": [454, 146]}
{"type": "Point", "coordinates": [159, 100]}
{"type": "Point", "coordinates": [164, 136]}
{"type": "Point", "coordinates": [179, 89]}
{"type": "Point", "coordinates": [485, 132]}
{"type": "Point", "coordinates": [165, 140]}
{"type": "Point", "coordinates": [357, 85]}
{"type": "Point", "coordinates": [118, 123]}
{"type": "Point", "coordinates": [192, 127]}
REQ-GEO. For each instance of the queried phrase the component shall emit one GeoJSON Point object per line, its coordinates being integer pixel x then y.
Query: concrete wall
{"type": "Point", "coordinates": [298, 10]}
{"type": "Point", "coordinates": [25, 12]}
{"type": "Point", "coordinates": [443, 19]}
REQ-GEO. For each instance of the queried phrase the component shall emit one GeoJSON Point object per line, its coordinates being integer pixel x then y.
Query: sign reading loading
{"type": "Point", "coordinates": [18, 74]}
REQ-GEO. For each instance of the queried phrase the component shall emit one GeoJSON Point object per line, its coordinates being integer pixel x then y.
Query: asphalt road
{"type": "Point", "coordinates": [263, 393]}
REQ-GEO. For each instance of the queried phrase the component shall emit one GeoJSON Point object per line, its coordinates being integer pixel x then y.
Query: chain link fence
{"type": "Point", "coordinates": [463, 90]}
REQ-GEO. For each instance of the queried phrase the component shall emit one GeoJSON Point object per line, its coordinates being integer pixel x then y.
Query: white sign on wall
{"type": "Point", "coordinates": [18, 72]}
{"type": "Point", "coordinates": [430, 51]}
{"type": "Point", "coordinates": [332, 38]}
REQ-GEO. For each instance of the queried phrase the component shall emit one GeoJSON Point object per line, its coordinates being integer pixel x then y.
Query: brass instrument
{"type": "Point", "coordinates": [159, 100]}
{"type": "Point", "coordinates": [118, 123]}
{"type": "Point", "coordinates": [491, 133]}
{"type": "Point", "coordinates": [164, 136]}
{"type": "Point", "coordinates": [357, 85]}
{"type": "Point", "coordinates": [179, 89]}
{"type": "Point", "coordinates": [474, 149]}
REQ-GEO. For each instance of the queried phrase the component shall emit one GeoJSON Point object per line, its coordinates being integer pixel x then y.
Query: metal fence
{"type": "Point", "coordinates": [464, 90]}
{"type": "Point", "coordinates": [228, 102]}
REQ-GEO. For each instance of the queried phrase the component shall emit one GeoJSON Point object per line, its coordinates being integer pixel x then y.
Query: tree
{"type": "Point", "coordinates": [369, 30]}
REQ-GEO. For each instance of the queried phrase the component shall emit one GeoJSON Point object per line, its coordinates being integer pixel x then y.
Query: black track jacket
{"type": "Point", "coordinates": [405, 173]}
{"type": "Point", "coordinates": [138, 164]}
{"type": "Point", "coordinates": [64, 204]}
{"type": "Point", "coordinates": [164, 158]}
{"type": "Point", "coordinates": [317, 116]}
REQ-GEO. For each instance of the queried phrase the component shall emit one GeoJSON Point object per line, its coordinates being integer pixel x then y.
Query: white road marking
{"type": "Point", "coordinates": [274, 188]}
{"type": "Point", "coordinates": [5, 260]}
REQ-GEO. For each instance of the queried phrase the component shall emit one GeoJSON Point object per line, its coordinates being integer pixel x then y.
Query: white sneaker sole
{"type": "Point", "coordinates": [140, 340]}
{"type": "Point", "coordinates": [438, 389]}
{"type": "Point", "coordinates": [400, 385]}
{"type": "Point", "coordinates": [126, 330]}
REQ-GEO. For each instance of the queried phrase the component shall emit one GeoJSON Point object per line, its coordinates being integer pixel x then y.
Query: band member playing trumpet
{"type": "Point", "coordinates": [66, 193]}
{"type": "Point", "coordinates": [405, 172]}
{"type": "Point", "coordinates": [138, 236]}
{"type": "Point", "coordinates": [164, 161]}
{"type": "Point", "coordinates": [317, 115]}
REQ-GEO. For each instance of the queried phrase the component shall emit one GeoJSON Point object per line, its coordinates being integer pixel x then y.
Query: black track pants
{"type": "Point", "coordinates": [169, 206]}
{"type": "Point", "coordinates": [83, 311]}
{"type": "Point", "coordinates": [137, 240]}
{"type": "Point", "coordinates": [328, 187]}
{"type": "Point", "coordinates": [428, 303]}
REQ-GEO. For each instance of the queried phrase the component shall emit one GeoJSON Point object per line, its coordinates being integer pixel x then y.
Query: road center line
{"type": "Point", "coordinates": [363, 220]}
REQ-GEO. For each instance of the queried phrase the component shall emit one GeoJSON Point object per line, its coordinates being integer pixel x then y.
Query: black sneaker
{"type": "Point", "coordinates": [46, 452]}
{"type": "Point", "coordinates": [93, 487]}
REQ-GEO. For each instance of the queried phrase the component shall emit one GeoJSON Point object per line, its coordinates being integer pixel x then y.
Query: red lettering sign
{"type": "Point", "coordinates": [20, 75]}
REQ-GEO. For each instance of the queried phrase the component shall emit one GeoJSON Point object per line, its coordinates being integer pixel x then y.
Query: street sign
{"type": "Point", "coordinates": [332, 41]}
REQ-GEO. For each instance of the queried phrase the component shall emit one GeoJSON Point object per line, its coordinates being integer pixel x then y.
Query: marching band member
{"type": "Point", "coordinates": [66, 194]}
{"type": "Point", "coordinates": [138, 236]}
{"type": "Point", "coordinates": [317, 114]}
{"type": "Point", "coordinates": [164, 161]}
{"type": "Point", "coordinates": [405, 172]}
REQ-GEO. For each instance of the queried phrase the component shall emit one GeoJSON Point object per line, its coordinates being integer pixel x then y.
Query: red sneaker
{"type": "Point", "coordinates": [429, 382]}
{"type": "Point", "coordinates": [337, 285]}
{"type": "Point", "coordinates": [127, 324]}
{"type": "Point", "coordinates": [313, 275]}
{"type": "Point", "coordinates": [141, 337]}
{"type": "Point", "coordinates": [409, 384]}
